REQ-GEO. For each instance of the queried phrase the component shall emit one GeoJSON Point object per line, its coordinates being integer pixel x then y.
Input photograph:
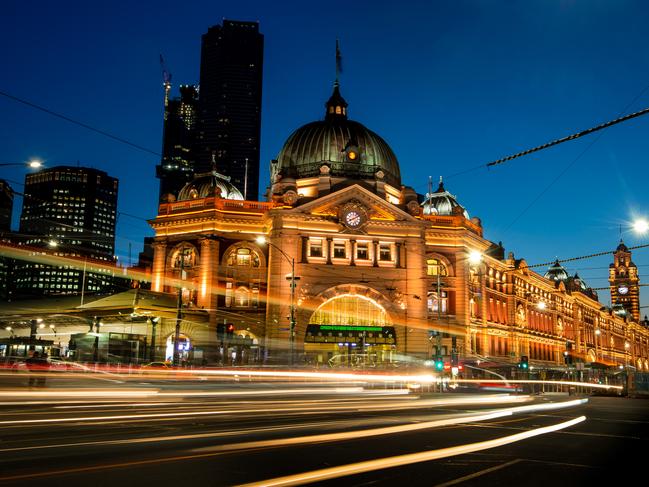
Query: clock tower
{"type": "Point", "coordinates": [624, 282]}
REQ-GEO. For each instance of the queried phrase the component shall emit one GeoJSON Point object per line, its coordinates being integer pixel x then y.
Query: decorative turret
{"type": "Point", "coordinates": [441, 202]}
{"type": "Point", "coordinates": [336, 105]}
{"type": "Point", "coordinates": [556, 272]}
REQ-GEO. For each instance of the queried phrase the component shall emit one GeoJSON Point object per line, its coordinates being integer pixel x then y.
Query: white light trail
{"type": "Point", "coordinates": [400, 460]}
{"type": "Point", "coordinates": [348, 435]}
{"type": "Point", "coordinates": [351, 435]}
{"type": "Point", "coordinates": [303, 408]}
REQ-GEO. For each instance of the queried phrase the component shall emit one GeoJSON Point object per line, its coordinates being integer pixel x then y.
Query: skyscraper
{"type": "Point", "coordinates": [177, 165]}
{"type": "Point", "coordinates": [229, 117]}
{"type": "Point", "coordinates": [6, 205]}
{"type": "Point", "coordinates": [71, 211]}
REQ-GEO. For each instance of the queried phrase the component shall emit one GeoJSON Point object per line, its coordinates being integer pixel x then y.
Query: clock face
{"type": "Point", "coordinates": [623, 289]}
{"type": "Point", "coordinates": [353, 219]}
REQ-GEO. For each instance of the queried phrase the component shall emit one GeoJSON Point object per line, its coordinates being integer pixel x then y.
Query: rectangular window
{"type": "Point", "coordinates": [362, 251]}
{"type": "Point", "coordinates": [434, 303]}
{"type": "Point", "coordinates": [384, 253]}
{"type": "Point", "coordinates": [340, 250]}
{"type": "Point", "coordinates": [315, 248]}
{"type": "Point", "coordinates": [228, 294]}
{"type": "Point", "coordinates": [243, 257]}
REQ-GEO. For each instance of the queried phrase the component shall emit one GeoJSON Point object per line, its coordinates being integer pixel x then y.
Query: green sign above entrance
{"type": "Point", "coordinates": [350, 328]}
{"type": "Point", "coordinates": [351, 334]}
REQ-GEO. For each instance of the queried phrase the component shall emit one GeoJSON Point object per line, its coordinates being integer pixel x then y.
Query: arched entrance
{"type": "Point", "coordinates": [184, 346]}
{"type": "Point", "coordinates": [350, 330]}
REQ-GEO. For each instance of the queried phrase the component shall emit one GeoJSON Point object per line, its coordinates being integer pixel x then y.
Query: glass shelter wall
{"type": "Point", "coordinates": [352, 331]}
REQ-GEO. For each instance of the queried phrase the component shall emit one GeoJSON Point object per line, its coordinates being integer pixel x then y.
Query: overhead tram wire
{"type": "Point", "coordinates": [557, 141]}
{"type": "Point", "coordinates": [80, 124]}
{"type": "Point", "coordinates": [581, 257]}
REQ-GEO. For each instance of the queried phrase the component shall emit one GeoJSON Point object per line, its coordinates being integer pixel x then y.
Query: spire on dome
{"type": "Point", "coordinates": [336, 105]}
{"type": "Point", "coordinates": [440, 188]}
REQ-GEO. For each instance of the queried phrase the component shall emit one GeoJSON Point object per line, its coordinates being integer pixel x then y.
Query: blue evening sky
{"type": "Point", "coordinates": [450, 85]}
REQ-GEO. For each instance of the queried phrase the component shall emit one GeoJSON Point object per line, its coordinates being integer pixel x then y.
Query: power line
{"type": "Point", "coordinates": [558, 141]}
{"type": "Point", "coordinates": [81, 124]}
{"type": "Point", "coordinates": [581, 257]}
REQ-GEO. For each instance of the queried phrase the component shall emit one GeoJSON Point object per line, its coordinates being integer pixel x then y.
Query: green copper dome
{"type": "Point", "coordinates": [347, 148]}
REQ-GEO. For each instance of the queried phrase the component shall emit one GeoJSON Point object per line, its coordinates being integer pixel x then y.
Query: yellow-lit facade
{"type": "Point", "coordinates": [378, 274]}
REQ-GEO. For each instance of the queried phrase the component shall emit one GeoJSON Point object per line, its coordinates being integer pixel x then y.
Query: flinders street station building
{"type": "Point", "coordinates": [343, 264]}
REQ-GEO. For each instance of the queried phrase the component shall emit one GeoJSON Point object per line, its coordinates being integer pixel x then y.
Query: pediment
{"type": "Point", "coordinates": [376, 207]}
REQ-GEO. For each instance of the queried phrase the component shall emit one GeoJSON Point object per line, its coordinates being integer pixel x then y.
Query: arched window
{"type": "Point", "coordinates": [350, 310]}
{"type": "Point", "coordinates": [243, 257]}
{"type": "Point", "coordinates": [183, 257]}
{"type": "Point", "coordinates": [435, 267]}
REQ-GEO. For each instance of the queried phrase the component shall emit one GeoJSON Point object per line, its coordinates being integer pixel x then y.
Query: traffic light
{"type": "Point", "coordinates": [220, 331]}
{"type": "Point", "coordinates": [524, 363]}
{"type": "Point", "coordinates": [230, 329]}
{"type": "Point", "coordinates": [439, 364]}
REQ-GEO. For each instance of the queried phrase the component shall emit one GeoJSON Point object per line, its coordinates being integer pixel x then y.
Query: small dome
{"type": "Point", "coordinates": [209, 184]}
{"type": "Point", "coordinates": [579, 283]}
{"type": "Point", "coordinates": [441, 202]}
{"type": "Point", "coordinates": [556, 272]}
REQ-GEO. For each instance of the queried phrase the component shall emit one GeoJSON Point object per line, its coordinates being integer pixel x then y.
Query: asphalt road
{"type": "Point", "coordinates": [202, 432]}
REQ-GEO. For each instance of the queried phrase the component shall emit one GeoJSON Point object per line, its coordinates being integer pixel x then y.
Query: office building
{"type": "Point", "coordinates": [6, 205]}
{"type": "Point", "coordinates": [70, 213]}
{"type": "Point", "coordinates": [177, 165]}
{"type": "Point", "coordinates": [229, 117]}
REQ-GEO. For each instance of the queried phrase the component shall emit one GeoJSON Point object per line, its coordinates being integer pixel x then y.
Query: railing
{"type": "Point", "coordinates": [452, 221]}
{"type": "Point", "coordinates": [216, 204]}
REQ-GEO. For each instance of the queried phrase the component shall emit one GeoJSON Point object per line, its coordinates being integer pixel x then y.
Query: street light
{"type": "Point", "coordinates": [261, 240]}
{"type": "Point", "coordinates": [33, 164]}
{"type": "Point", "coordinates": [475, 257]}
{"type": "Point", "coordinates": [641, 226]}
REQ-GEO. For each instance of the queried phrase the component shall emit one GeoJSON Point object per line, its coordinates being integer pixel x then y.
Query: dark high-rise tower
{"type": "Point", "coordinates": [177, 165]}
{"type": "Point", "coordinates": [229, 118]}
{"type": "Point", "coordinates": [71, 211]}
{"type": "Point", "coordinates": [6, 205]}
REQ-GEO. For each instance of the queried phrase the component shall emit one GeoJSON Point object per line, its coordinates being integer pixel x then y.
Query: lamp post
{"type": "Point", "coordinates": [261, 240]}
{"type": "Point", "coordinates": [179, 310]}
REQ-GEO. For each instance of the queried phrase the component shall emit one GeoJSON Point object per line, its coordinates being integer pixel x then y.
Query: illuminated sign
{"type": "Point", "coordinates": [350, 328]}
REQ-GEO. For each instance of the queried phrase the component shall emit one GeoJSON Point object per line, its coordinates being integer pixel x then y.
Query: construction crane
{"type": "Point", "coordinates": [166, 82]}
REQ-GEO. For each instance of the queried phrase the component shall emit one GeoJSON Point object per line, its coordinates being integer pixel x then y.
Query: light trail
{"type": "Point", "coordinates": [328, 437]}
{"type": "Point", "coordinates": [401, 460]}
{"type": "Point", "coordinates": [352, 435]}
{"type": "Point", "coordinates": [343, 377]}
{"type": "Point", "coordinates": [306, 408]}
{"type": "Point", "coordinates": [547, 382]}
